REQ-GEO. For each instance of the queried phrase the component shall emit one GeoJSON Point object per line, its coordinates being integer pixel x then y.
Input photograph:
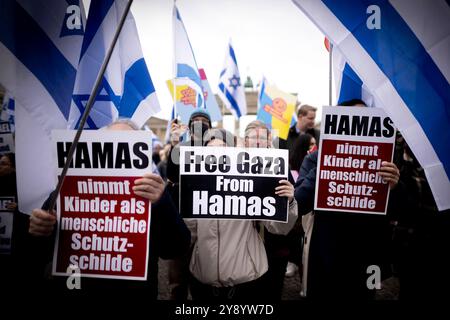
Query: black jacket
{"type": "Point", "coordinates": [343, 244]}
{"type": "Point", "coordinates": [289, 143]}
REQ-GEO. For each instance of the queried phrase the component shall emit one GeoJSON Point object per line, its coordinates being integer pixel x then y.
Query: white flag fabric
{"type": "Point", "coordinates": [400, 49]}
{"type": "Point", "coordinates": [185, 68]}
{"type": "Point", "coordinates": [127, 89]}
{"type": "Point", "coordinates": [231, 90]}
{"type": "Point", "coordinates": [348, 84]}
{"type": "Point", "coordinates": [40, 42]}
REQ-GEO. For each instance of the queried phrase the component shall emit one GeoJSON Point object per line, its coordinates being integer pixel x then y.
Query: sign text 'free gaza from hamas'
{"type": "Point", "coordinates": [232, 183]}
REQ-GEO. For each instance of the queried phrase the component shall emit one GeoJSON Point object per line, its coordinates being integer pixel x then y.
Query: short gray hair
{"type": "Point", "coordinates": [126, 121]}
{"type": "Point", "coordinates": [256, 124]}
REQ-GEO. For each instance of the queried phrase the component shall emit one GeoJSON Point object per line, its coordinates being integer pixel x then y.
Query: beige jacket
{"type": "Point", "coordinates": [231, 252]}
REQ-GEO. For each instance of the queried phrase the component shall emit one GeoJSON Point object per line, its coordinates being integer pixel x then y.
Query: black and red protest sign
{"type": "Point", "coordinates": [354, 142]}
{"type": "Point", "coordinates": [232, 183]}
{"type": "Point", "coordinates": [103, 227]}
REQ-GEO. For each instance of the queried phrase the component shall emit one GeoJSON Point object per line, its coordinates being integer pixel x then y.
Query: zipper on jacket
{"type": "Point", "coordinates": [218, 252]}
{"type": "Point", "coordinates": [250, 254]}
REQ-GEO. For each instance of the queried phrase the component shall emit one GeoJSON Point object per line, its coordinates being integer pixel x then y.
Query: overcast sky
{"type": "Point", "coordinates": [270, 37]}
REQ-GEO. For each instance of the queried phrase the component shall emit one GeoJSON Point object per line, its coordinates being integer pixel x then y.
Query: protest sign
{"type": "Point", "coordinates": [6, 138]}
{"type": "Point", "coordinates": [353, 144]}
{"type": "Point", "coordinates": [6, 224]}
{"type": "Point", "coordinates": [232, 183]}
{"type": "Point", "coordinates": [103, 227]}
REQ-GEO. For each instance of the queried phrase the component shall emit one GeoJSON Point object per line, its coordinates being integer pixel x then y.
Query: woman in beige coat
{"type": "Point", "coordinates": [229, 259]}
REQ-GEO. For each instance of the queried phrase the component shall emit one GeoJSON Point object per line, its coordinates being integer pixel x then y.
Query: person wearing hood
{"type": "Point", "coordinates": [199, 124]}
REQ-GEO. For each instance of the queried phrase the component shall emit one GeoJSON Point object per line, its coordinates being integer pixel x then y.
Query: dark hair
{"type": "Point", "coordinates": [200, 112]}
{"type": "Point", "coordinates": [304, 109]}
{"type": "Point", "coordinates": [12, 158]}
{"type": "Point", "coordinates": [352, 102]}
{"type": "Point", "coordinates": [301, 147]}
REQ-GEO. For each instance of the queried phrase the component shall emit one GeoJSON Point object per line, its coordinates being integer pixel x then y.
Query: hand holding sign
{"type": "Point", "coordinates": [390, 173]}
{"type": "Point", "coordinates": [42, 223]}
{"type": "Point", "coordinates": [150, 186]}
{"type": "Point", "coordinates": [355, 169]}
{"type": "Point", "coordinates": [286, 189]}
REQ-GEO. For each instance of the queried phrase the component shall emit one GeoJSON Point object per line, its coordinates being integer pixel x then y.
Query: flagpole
{"type": "Point", "coordinates": [174, 63]}
{"type": "Point", "coordinates": [88, 108]}
{"type": "Point", "coordinates": [330, 77]}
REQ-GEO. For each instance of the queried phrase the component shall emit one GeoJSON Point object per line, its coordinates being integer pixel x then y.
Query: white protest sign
{"type": "Point", "coordinates": [6, 225]}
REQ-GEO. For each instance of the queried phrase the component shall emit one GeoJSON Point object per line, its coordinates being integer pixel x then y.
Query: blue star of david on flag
{"type": "Point", "coordinates": [235, 81]}
{"type": "Point", "coordinates": [81, 100]}
{"type": "Point", "coordinates": [230, 89]}
{"type": "Point", "coordinates": [126, 90]}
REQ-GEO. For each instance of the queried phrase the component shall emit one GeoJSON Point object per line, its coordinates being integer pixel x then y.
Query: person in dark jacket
{"type": "Point", "coordinates": [10, 258]}
{"type": "Point", "coordinates": [306, 117]}
{"type": "Point", "coordinates": [343, 244]}
{"type": "Point", "coordinates": [199, 123]}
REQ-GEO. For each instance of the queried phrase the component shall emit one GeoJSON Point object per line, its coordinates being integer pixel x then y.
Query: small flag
{"type": "Point", "coordinates": [231, 90]}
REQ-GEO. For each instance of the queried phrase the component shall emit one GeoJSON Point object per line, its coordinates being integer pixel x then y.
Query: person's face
{"type": "Point", "coordinates": [258, 138]}
{"type": "Point", "coordinates": [201, 120]}
{"type": "Point", "coordinates": [4, 162]}
{"type": "Point", "coordinates": [216, 143]}
{"type": "Point", "coordinates": [199, 126]}
{"type": "Point", "coordinates": [5, 166]}
{"type": "Point", "coordinates": [307, 121]}
{"type": "Point", "coordinates": [312, 144]}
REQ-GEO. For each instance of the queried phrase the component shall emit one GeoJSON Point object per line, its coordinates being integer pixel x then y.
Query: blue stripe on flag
{"type": "Point", "coordinates": [93, 23]}
{"type": "Point", "coordinates": [11, 104]}
{"type": "Point", "coordinates": [184, 70]}
{"type": "Point", "coordinates": [233, 55]}
{"type": "Point", "coordinates": [263, 115]}
{"type": "Point", "coordinates": [409, 67]}
{"type": "Point", "coordinates": [261, 92]}
{"type": "Point", "coordinates": [20, 33]}
{"type": "Point", "coordinates": [230, 99]}
{"type": "Point", "coordinates": [351, 85]}
{"type": "Point", "coordinates": [137, 86]}
{"type": "Point", "coordinates": [178, 14]}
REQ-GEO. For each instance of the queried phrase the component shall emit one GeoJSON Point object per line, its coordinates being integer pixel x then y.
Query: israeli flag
{"type": "Point", "coordinates": [185, 65]}
{"type": "Point", "coordinates": [231, 90]}
{"type": "Point", "coordinates": [400, 51]}
{"type": "Point", "coordinates": [127, 89]}
{"type": "Point", "coordinates": [348, 84]}
{"type": "Point", "coordinates": [40, 43]}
